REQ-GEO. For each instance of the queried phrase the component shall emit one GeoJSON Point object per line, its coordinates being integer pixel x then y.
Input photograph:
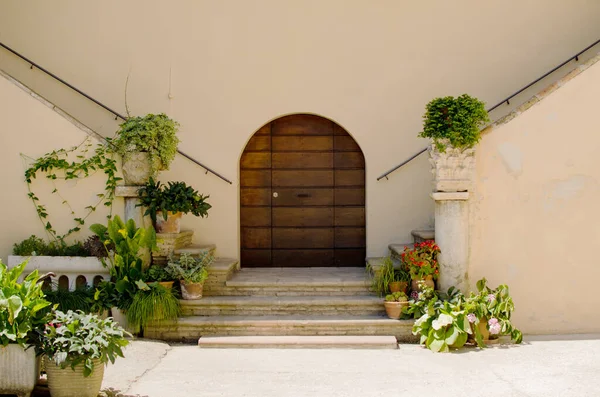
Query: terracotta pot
{"type": "Point", "coordinates": [398, 286]}
{"type": "Point", "coordinates": [166, 284]}
{"type": "Point", "coordinates": [428, 281]}
{"type": "Point", "coordinates": [485, 334]}
{"type": "Point", "coordinates": [171, 225]}
{"type": "Point", "coordinates": [71, 383]}
{"type": "Point", "coordinates": [136, 168]}
{"type": "Point", "coordinates": [191, 290]}
{"type": "Point", "coordinates": [394, 309]}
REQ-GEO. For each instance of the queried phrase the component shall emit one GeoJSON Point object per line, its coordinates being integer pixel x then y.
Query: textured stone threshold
{"type": "Point", "coordinates": [299, 342]}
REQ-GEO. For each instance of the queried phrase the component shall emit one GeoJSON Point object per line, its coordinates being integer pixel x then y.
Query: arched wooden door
{"type": "Point", "coordinates": [302, 194]}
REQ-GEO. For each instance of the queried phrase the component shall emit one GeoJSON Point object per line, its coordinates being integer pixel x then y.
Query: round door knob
{"type": "Point", "coordinates": [275, 194]}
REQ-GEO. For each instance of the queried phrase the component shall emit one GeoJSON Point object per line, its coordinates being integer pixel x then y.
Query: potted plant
{"type": "Point", "coordinates": [22, 320]}
{"type": "Point", "coordinates": [152, 303]}
{"type": "Point", "coordinates": [422, 263]}
{"type": "Point", "coordinates": [76, 347]}
{"type": "Point", "coordinates": [191, 272]}
{"type": "Point", "coordinates": [401, 280]}
{"type": "Point", "coordinates": [454, 126]}
{"type": "Point", "coordinates": [394, 304]}
{"type": "Point", "coordinates": [383, 277]}
{"type": "Point", "coordinates": [166, 204]}
{"type": "Point", "coordinates": [159, 274]}
{"type": "Point", "coordinates": [147, 144]}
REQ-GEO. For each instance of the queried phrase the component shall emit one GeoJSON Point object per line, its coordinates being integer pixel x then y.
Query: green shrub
{"type": "Point", "coordinates": [156, 303]}
{"type": "Point", "coordinates": [35, 246]}
{"type": "Point", "coordinates": [454, 121]}
{"type": "Point", "coordinates": [82, 298]}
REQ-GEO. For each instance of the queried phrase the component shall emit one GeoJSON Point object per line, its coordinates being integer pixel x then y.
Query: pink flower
{"type": "Point", "coordinates": [414, 295]}
{"type": "Point", "coordinates": [494, 326]}
{"type": "Point", "coordinates": [491, 297]}
{"type": "Point", "coordinates": [471, 317]}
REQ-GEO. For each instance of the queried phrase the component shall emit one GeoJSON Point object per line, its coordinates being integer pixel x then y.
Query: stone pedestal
{"type": "Point", "coordinates": [452, 236]}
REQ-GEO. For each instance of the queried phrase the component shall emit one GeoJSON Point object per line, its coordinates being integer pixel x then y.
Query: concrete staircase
{"type": "Point", "coordinates": [279, 307]}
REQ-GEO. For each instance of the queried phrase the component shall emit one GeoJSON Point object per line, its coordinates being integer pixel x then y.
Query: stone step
{"type": "Point", "coordinates": [189, 329]}
{"type": "Point", "coordinates": [424, 234]}
{"type": "Point", "coordinates": [299, 342]}
{"type": "Point", "coordinates": [196, 250]}
{"type": "Point", "coordinates": [283, 305]}
{"type": "Point", "coordinates": [397, 249]}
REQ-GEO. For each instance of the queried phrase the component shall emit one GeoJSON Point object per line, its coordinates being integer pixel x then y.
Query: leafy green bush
{"type": "Point", "coordinates": [190, 269]}
{"type": "Point", "coordinates": [22, 314]}
{"type": "Point", "coordinates": [150, 305]}
{"type": "Point", "coordinates": [175, 197]}
{"type": "Point", "coordinates": [454, 121]}
{"type": "Point", "coordinates": [153, 133]}
{"type": "Point", "coordinates": [35, 246]}
{"type": "Point", "coordinates": [74, 338]}
{"type": "Point", "coordinates": [82, 298]}
{"type": "Point", "coordinates": [157, 273]}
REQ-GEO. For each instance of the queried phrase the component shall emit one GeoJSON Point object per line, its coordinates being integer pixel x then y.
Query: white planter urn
{"type": "Point", "coordinates": [452, 169]}
{"type": "Point", "coordinates": [19, 370]}
{"type": "Point", "coordinates": [136, 168]}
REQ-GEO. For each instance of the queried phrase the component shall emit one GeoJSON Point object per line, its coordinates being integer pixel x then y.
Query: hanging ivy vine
{"type": "Point", "coordinates": [57, 166]}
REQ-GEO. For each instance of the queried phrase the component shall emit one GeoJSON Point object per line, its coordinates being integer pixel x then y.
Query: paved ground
{"type": "Point", "coordinates": [542, 366]}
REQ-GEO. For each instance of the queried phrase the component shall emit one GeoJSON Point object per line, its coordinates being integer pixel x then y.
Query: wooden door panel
{"type": "Point", "coordinates": [255, 196]}
{"type": "Point", "coordinates": [349, 160]}
{"type": "Point", "coordinates": [256, 258]}
{"type": "Point", "coordinates": [259, 143]}
{"type": "Point", "coordinates": [302, 125]}
{"type": "Point", "coordinates": [345, 143]}
{"type": "Point", "coordinates": [302, 197]}
{"type": "Point", "coordinates": [301, 178]}
{"type": "Point", "coordinates": [302, 143]}
{"type": "Point", "coordinates": [255, 178]}
{"type": "Point", "coordinates": [349, 177]}
{"type": "Point", "coordinates": [355, 257]}
{"type": "Point", "coordinates": [255, 216]}
{"type": "Point", "coordinates": [302, 217]}
{"type": "Point", "coordinates": [256, 160]}
{"type": "Point", "coordinates": [254, 237]}
{"type": "Point", "coordinates": [349, 237]}
{"type": "Point", "coordinates": [310, 238]}
{"type": "Point", "coordinates": [302, 160]}
{"type": "Point", "coordinates": [350, 196]}
{"type": "Point", "coordinates": [349, 216]}
{"type": "Point", "coordinates": [303, 258]}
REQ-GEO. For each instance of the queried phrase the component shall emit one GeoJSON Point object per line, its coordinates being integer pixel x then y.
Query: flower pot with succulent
{"type": "Point", "coordinates": [76, 347]}
{"type": "Point", "coordinates": [394, 304]}
{"type": "Point", "coordinates": [191, 272]}
{"type": "Point", "coordinates": [147, 144]}
{"type": "Point", "coordinates": [454, 126]}
{"type": "Point", "coordinates": [166, 204]}
{"type": "Point", "coordinates": [23, 315]}
{"type": "Point", "coordinates": [422, 263]}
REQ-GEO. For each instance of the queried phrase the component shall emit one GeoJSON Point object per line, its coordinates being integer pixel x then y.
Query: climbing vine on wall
{"type": "Point", "coordinates": [57, 165]}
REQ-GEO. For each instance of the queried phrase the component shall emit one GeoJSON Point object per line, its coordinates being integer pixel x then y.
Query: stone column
{"type": "Point", "coordinates": [130, 194]}
{"type": "Point", "coordinates": [452, 236]}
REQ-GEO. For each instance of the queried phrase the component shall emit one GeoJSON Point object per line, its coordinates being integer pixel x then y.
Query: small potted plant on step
{"type": "Point", "coordinates": [394, 304]}
{"type": "Point", "coordinates": [147, 145]}
{"type": "Point", "coordinates": [152, 303]}
{"type": "Point", "coordinates": [422, 263]}
{"type": "Point", "coordinates": [76, 346]}
{"type": "Point", "coordinates": [166, 204]}
{"type": "Point", "coordinates": [23, 316]}
{"type": "Point", "coordinates": [159, 274]}
{"type": "Point", "coordinates": [191, 272]}
{"type": "Point", "coordinates": [454, 126]}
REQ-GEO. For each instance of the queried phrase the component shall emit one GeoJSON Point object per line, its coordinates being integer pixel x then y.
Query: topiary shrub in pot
{"type": "Point", "coordinates": [191, 272]}
{"type": "Point", "coordinates": [453, 124]}
{"type": "Point", "coordinates": [147, 144]}
{"type": "Point", "coordinates": [22, 321]}
{"type": "Point", "coordinates": [395, 304]}
{"type": "Point", "coordinates": [76, 347]}
{"type": "Point", "coordinates": [166, 204]}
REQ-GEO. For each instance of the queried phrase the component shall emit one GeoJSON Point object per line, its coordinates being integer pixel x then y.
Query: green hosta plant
{"type": "Point", "coordinates": [446, 327]}
{"type": "Point", "coordinates": [153, 133]}
{"type": "Point", "coordinates": [175, 197]}
{"type": "Point", "coordinates": [22, 314]}
{"type": "Point", "coordinates": [74, 338]}
{"type": "Point", "coordinates": [190, 269]}
{"type": "Point", "coordinates": [126, 262]}
{"type": "Point", "coordinates": [454, 121]}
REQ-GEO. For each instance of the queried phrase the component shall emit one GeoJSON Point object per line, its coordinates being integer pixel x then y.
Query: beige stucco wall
{"type": "Point", "coordinates": [534, 212]}
{"type": "Point", "coordinates": [224, 68]}
{"type": "Point", "coordinates": [29, 126]}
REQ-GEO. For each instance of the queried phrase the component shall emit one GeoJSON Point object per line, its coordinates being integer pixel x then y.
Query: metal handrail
{"type": "Point", "coordinates": [116, 114]}
{"type": "Point", "coordinates": [507, 101]}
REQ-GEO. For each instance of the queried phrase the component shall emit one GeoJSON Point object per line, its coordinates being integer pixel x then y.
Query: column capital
{"type": "Point", "coordinates": [127, 191]}
{"type": "Point", "coordinates": [450, 196]}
